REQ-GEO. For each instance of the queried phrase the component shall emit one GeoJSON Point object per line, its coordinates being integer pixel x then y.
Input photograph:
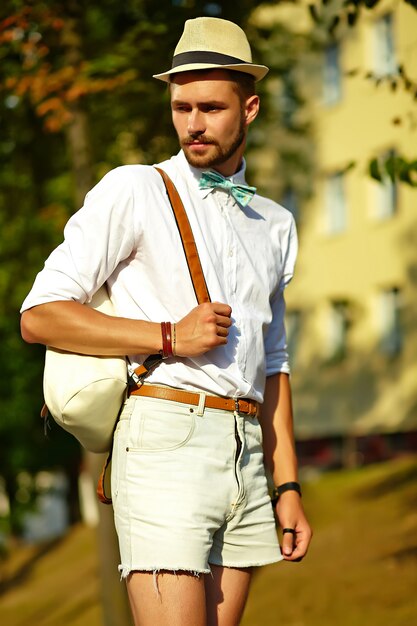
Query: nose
{"type": "Point", "coordinates": [196, 125]}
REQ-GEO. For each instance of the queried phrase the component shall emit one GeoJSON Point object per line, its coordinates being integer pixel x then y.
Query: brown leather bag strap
{"type": "Point", "coordinates": [193, 262]}
{"type": "Point", "coordinates": [187, 238]}
{"type": "Point", "coordinates": [200, 289]}
{"type": "Point", "coordinates": [102, 486]}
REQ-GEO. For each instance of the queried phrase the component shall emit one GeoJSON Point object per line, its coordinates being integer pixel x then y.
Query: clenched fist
{"type": "Point", "coordinates": [204, 328]}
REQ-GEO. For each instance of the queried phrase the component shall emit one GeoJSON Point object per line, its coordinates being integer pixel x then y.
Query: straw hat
{"type": "Point", "coordinates": [209, 42]}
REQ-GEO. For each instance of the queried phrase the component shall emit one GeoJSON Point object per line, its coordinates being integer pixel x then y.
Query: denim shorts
{"type": "Point", "coordinates": [189, 489]}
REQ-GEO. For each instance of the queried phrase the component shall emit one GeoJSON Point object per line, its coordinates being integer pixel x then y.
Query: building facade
{"type": "Point", "coordinates": [352, 308]}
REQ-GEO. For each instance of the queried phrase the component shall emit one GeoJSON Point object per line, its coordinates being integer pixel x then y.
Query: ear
{"type": "Point", "coordinates": [251, 108]}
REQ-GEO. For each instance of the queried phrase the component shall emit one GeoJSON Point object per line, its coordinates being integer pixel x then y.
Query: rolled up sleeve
{"type": "Point", "coordinates": [276, 339]}
{"type": "Point", "coordinates": [96, 239]}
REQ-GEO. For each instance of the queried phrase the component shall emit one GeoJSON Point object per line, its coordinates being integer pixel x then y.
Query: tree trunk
{"type": "Point", "coordinates": [80, 154]}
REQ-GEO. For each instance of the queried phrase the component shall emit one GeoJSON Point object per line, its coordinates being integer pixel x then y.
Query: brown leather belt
{"type": "Point", "coordinates": [241, 405]}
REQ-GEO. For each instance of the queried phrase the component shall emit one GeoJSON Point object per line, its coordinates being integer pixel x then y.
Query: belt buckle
{"type": "Point", "coordinates": [237, 410]}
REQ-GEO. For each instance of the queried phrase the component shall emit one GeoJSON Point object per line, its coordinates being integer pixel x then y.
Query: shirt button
{"type": "Point", "coordinates": [231, 252]}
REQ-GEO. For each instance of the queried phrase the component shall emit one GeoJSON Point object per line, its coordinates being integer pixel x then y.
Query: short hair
{"type": "Point", "coordinates": [243, 83]}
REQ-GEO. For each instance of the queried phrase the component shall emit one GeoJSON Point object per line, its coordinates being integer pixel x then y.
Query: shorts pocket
{"type": "Point", "coordinates": [159, 426]}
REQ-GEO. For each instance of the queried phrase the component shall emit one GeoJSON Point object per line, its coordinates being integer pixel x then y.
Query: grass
{"type": "Point", "coordinates": [361, 569]}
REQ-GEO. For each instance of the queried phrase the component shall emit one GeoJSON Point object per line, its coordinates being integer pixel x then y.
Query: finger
{"type": "Point", "coordinates": [225, 322]}
{"type": "Point", "coordinates": [222, 309]}
{"type": "Point", "coordinates": [299, 551]}
{"type": "Point", "coordinates": [222, 332]}
{"type": "Point", "coordinates": [295, 557]}
{"type": "Point", "coordinates": [288, 541]}
{"type": "Point", "coordinates": [301, 547]}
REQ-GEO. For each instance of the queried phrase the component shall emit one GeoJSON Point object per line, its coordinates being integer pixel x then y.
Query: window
{"type": "Point", "coordinates": [390, 322]}
{"type": "Point", "coordinates": [384, 47]}
{"type": "Point", "coordinates": [332, 78]}
{"type": "Point", "coordinates": [337, 330]}
{"type": "Point", "coordinates": [293, 327]}
{"type": "Point", "coordinates": [385, 197]}
{"type": "Point", "coordinates": [335, 203]}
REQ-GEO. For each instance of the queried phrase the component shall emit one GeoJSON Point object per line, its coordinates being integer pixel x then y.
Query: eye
{"type": "Point", "coordinates": [181, 108]}
{"type": "Point", "coordinates": [212, 108]}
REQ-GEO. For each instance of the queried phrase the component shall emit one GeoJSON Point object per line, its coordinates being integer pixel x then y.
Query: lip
{"type": "Point", "coordinates": [197, 144]}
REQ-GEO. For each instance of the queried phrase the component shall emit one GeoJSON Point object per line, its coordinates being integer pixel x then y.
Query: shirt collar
{"type": "Point", "coordinates": [193, 174]}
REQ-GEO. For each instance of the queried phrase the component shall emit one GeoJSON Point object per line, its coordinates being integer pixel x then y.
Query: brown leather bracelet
{"type": "Point", "coordinates": [166, 340]}
{"type": "Point", "coordinates": [174, 339]}
{"type": "Point", "coordinates": [169, 339]}
{"type": "Point", "coordinates": [163, 333]}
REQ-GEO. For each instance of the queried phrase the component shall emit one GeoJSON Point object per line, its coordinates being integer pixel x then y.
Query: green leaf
{"type": "Point", "coordinates": [334, 24]}
{"type": "Point", "coordinates": [352, 17]}
{"type": "Point", "coordinates": [408, 172]}
{"type": "Point", "coordinates": [374, 170]}
{"type": "Point", "coordinates": [314, 13]}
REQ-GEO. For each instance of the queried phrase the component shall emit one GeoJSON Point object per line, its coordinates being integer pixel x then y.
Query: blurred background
{"type": "Point", "coordinates": [336, 145]}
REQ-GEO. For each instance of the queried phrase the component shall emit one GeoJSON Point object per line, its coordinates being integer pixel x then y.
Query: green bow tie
{"type": "Point", "coordinates": [242, 193]}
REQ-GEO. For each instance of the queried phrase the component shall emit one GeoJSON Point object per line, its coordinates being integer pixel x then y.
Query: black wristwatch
{"type": "Point", "coordinates": [278, 491]}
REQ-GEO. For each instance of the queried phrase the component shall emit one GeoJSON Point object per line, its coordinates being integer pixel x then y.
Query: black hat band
{"type": "Point", "coordinates": [204, 56]}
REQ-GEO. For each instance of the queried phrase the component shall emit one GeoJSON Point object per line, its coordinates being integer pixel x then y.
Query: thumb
{"type": "Point", "coordinates": [288, 541]}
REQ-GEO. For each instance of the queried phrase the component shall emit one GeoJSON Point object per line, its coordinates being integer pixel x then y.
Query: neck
{"type": "Point", "coordinates": [228, 170]}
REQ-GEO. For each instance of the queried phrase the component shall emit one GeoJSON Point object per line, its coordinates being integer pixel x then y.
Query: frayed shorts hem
{"type": "Point", "coordinates": [241, 565]}
{"type": "Point", "coordinates": [125, 571]}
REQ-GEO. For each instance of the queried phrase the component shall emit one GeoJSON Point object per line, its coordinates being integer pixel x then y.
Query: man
{"type": "Point", "coordinates": [190, 495]}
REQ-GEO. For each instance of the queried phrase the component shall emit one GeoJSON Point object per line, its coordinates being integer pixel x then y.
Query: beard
{"type": "Point", "coordinates": [217, 156]}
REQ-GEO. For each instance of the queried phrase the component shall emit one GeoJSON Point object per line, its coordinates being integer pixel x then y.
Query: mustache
{"type": "Point", "coordinates": [185, 141]}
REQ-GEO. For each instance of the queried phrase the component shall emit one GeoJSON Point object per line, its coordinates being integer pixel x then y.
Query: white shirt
{"type": "Point", "coordinates": [125, 234]}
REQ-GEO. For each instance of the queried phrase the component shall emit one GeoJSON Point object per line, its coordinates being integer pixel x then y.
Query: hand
{"type": "Point", "coordinates": [204, 328]}
{"type": "Point", "coordinates": [290, 514]}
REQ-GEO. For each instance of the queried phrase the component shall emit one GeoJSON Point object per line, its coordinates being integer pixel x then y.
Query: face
{"type": "Point", "coordinates": [210, 119]}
